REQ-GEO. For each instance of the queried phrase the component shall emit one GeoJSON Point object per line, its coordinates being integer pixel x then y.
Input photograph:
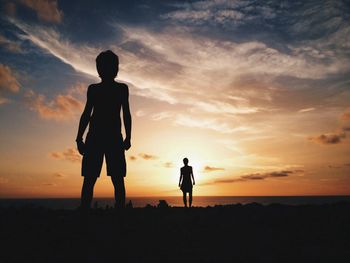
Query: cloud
{"type": "Point", "coordinates": [198, 121]}
{"type": "Point", "coordinates": [320, 30]}
{"type": "Point", "coordinates": [146, 156]}
{"type": "Point", "coordinates": [140, 113]}
{"type": "Point", "coordinates": [208, 123]}
{"type": "Point", "coordinates": [306, 110]}
{"type": "Point", "coordinates": [202, 75]}
{"type": "Point", "coordinates": [162, 115]}
{"type": "Point", "coordinates": [132, 158]}
{"type": "Point", "coordinates": [339, 135]}
{"type": "Point", "coordinates": [8, 81]}
{"type": "Point", "coordinates": [59, 175]}
{"type": "Point", "coordinates": [205, 56]}
{"type": "Point", "coordinates": [345, 119]}
{"type": "Point", "coordinates": [70, 154]}
{"type": "Point", "coordinates": [346, 115]}
{"type": "Point", "coordinates": [168, 165]}
{"type": "Point", "coordinates": [232, 145]}
{"type": "Point", "coordinates": [256, 177]}
{"type": "Point", "coordinates": [206, 63]}
{"type": "Point", "coordinates": [329, 139]}
{"type": "Point", "coordinates": [47, 10]}
{"type": "Point", "coordinates": [61, 107]}
{"type": "Point", "coordinates": [10, 45]}
{"type": "Point", "coordinates": [346, 127]}
{"type": "Point", "coordinates": [212, 169]}
{"type": "Point", "coordinates": [331, 166]}
{"type": "Point", "coordinates": [209, 13]}
{"type": "Point", "coordinates": [80, 57]}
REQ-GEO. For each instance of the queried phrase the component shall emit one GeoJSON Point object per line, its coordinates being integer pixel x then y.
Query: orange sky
{"type": "Point", "coordinates": [258, 108]}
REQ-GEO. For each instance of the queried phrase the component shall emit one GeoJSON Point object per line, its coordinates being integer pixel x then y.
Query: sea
{"type": "Point", "coordinates": [175, 201]}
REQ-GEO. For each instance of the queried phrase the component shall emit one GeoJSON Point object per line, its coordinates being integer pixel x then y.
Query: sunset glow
{"type": "Point", "coordinates": [256, 96]}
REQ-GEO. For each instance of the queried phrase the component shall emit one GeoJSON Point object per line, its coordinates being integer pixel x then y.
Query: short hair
{"type": "Point", "coordinates": [107, 64]}
{"type": "Point", "coordinates": [185, 160]}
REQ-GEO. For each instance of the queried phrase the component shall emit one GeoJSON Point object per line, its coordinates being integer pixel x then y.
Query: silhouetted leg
{"type": "Point", "coordinates": [184, 198]}
{"type": "Point", "coordinates": [190, 197]}
{"type": "Point", "coordinates": [87, 192]}
{"type": "Point", "coordinates": [119, 191]}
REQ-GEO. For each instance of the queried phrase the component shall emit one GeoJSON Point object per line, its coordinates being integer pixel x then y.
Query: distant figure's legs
{"type": "Point", "coordinates": [184, 198]}
{"type": "Point", "coordinates": [190, 197]}
{"type": "Point", "coordinates": [119, 191]}
{"type": "Point", "coordinates": [87, 192]}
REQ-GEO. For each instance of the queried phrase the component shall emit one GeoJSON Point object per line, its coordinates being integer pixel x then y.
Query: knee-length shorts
{"type": "Point", "coordinates": [96, 149]}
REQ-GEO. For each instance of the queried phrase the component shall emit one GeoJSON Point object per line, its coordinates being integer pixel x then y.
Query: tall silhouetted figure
{"type": "Point", "coordinates": [104, 139]}
{"type": "Point", "coordinates": [185, 182]}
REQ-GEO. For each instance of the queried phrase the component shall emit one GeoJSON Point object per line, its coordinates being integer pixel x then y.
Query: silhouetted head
{"type": "Point", "coordinates": [107, 64]}
{"type": "Point", "coordinates": [185, 160]}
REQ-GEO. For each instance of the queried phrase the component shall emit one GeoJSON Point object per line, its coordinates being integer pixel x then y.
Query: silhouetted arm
{"type": "Point", "coordinates": [192, 176]}
{"type": "Point", "coordinates": [180, 179]}
{"type": "Point", "coordinates": [84, 121]}
{"type": "Point", "coordinates": [127, 119]}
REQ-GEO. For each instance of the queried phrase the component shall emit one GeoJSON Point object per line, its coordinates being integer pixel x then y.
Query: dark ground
{"type": "Point", "coordinates": [234, 233]}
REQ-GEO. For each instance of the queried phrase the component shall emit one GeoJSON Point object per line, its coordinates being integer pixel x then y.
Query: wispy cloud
{"type": "Point", "coordinates": [256, 177]}
{"type": "Point", "coordinates": [213, 169]}
{"type": "Point", "coordinates": [47, 10]}
{"type": "Point", "coordinates": [59, 175]}
{"type": "Point", "coordinates": [329, 138]}
{"type": "Point", "coordinates": [339, 135]}
{"type": "Point", "coordinates": [206, 63]}
{"type": "Point", "coordinates": [223, 12]}
{"type": "Point", "coordinates": [10, 45]}
{"type": "Point", "coordinates": [80, 57]}
{"type": "Point", "coordinates": [146, 156]}
{"type": "Point", "coordinates": [210, 78]}
{"type": "Point", "coordinates": [140, 113]}
{"type": "Point", "coordinates": [207, 123]}
{"type": "Point", "coordinates": [61, 107]}
{"type": "Point", "coordinates": [168, 164]}
{"type": "Point", "coordinates": [161, 115]}
{"type": "Point", "coordinates": [132, 158]}
{"type": "Point", "coordinates": [345, 115]}
{"type": "Point", "coordinates": [70, 154]}
{"type": "Point", "coordinates": [306, 110]}
{"type": "Point", "coordinates": [8, 82]}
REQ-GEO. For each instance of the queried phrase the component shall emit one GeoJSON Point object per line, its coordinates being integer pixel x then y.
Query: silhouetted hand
{"type": "Point", "coordinates": [81, 147]}
{"type": "Point", "coordinates": [127, 144]}
{"type": "Point", "coordinates": [194, 182]}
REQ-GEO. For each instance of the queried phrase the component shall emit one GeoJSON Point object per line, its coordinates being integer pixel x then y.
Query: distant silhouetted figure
{"type": "Point", "coordinates": [185, 182]}
{"type": "Point", "coordinates": [104, 139]}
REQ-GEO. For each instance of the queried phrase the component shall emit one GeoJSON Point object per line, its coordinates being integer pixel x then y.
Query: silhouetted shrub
{"type": "Point", "coordinates": [162, 204]}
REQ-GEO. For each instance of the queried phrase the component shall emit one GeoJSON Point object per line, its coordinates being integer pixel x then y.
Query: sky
{"type": "Point", "coordinates": [256, 94]}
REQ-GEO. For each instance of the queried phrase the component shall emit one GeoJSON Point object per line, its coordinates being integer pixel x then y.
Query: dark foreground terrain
{"type": "Point", "coordinates": [234, 233]}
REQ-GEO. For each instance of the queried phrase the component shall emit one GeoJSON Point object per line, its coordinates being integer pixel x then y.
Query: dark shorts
{"type": "Point", "coordinates": [186, 187]}
{"type": "Point", "coordinates": [96, 149]}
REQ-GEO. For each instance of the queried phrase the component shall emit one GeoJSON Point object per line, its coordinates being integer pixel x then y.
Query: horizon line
{"type": "Point", "coordinates": [171, 196]}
